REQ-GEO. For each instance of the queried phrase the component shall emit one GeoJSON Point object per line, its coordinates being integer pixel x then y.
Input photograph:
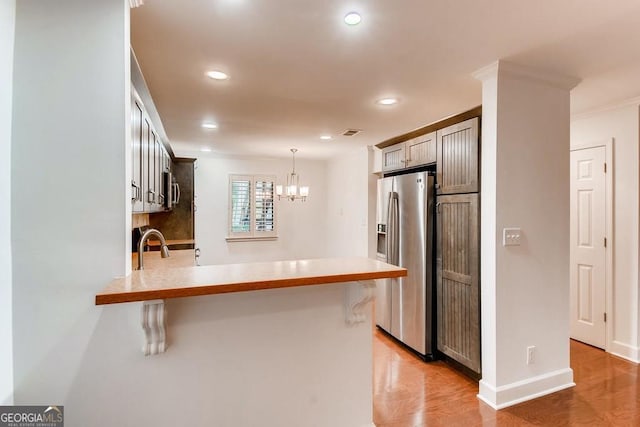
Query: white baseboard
{"type": "Point", "coordinates": [625, 351]}
{"type": "Point", "coordinates": [521, 391]}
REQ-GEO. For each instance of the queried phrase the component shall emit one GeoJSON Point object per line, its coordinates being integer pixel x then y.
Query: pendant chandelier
{"type": "Point", "coordinates": [293, 191]}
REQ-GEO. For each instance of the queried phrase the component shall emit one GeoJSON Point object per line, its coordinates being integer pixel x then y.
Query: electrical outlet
{"type": "Point", "coordinates": [511, 236]}
{"type": "Point", "coordinates": [531, 352]}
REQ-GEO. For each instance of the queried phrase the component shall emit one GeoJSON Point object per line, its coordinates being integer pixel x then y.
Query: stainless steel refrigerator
{"type": "Point", "coordinates": [405, 233]}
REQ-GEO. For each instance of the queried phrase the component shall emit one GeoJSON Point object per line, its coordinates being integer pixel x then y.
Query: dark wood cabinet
{"type": "Point", "coordinates": [458, 278]}
{"type": "Point", "coordinates": [453, 144]}
{"type": "Point", "coordinates": [457, 166]}
{"type": "Point", "coordinates": [415, 152]}
{"type": "Point", "coordinates": [421, 150]}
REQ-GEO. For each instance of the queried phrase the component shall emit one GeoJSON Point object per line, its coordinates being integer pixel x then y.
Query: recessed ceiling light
{"type": "Point", "coordinates": [205, 149]}
{"type": "Point", "coordinates": [387, 101]}
{"type": "Point", "coordinates": [352, 18]}
{"type": "Point", "coordinates": [326, 137]}
{"type": "Point", "coordinates": [217, 75]}
{"type": "Point", "coordinates": [210, 126]}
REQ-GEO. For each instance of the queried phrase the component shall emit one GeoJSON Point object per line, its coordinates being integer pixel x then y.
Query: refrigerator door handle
{"type": "Point", "coordinates": [389, 230]}
{"type": "Point", "coordinates": [393, 235]}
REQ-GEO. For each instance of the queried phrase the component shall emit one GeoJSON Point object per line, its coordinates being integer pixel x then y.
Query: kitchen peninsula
{"type": "Point", "coordinates": [296, 331]}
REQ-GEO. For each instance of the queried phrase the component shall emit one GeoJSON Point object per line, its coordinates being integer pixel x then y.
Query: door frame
{"type": "Point", "coordinates": [609, 220]}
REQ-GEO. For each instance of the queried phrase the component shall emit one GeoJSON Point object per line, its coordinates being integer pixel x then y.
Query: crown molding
{"type": "Point", "coordinates": [506, 68]}
{"type": "Point", "coordinates": [486, 72]}
{"type": "Point", "coordinates": [135, 3]}
{"type": "Point", "coordinates": [635, 101]}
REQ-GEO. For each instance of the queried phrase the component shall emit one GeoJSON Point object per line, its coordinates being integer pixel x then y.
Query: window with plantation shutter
{"type": "Point", "coordinates": [241, 205]}
{"type": "Point", "coordinates": [252, 208]}
{"type": "Point", "coordinates": [265, 208]}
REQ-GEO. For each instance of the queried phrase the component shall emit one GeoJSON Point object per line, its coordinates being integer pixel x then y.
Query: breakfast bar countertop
{"type": "Point", "coordinates": [166, 283]}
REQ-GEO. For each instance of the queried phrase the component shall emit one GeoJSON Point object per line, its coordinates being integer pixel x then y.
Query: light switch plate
{"type": "Point", "coordinates": [511, 236]}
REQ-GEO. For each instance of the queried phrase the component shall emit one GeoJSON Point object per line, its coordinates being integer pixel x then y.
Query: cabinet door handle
{"type": "Point", "coordinates": [136, 187]}
{"type": "Point", "coordinates": [151, 196]}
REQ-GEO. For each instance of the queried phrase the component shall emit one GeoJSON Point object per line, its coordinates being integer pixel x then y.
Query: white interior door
{"type": "Point", "coordinates": [588, 253]}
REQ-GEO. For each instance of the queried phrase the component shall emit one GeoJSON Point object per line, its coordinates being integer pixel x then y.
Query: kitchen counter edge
{"type": "Point", "coordinates": [228, 278]}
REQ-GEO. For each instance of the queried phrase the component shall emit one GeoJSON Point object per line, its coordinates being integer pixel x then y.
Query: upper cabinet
{"type": "Point", "coordinates": [150, 161]}
{"type": "Point", "coordinates": [414, 152]}
{"type": "Point", "coordinates": [137, 116]}
{"type": "Point", "coordinates": [421, 150]}
{"type": "Point", "coordinates": [393, 157]}
{"type": "Point", "coordinates": [451, 146]}
{"type": "Point", "coordinates": [457, 166]}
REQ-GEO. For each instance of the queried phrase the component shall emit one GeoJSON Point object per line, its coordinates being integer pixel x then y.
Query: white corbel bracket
{"type": "Point", "coordinates": [357, 296]}
{"type": "Point", "coordinates": [154, 325]}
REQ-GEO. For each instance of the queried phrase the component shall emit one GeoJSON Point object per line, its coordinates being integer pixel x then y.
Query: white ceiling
{"type": "Point", "coordinates": [297, 71]}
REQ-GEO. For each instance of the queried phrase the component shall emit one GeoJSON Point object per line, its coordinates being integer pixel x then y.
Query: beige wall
{"type": "Point", "coordinates": [622, 125]}
{"type": "Point", "coordinates": [7, 26]}
{"type": "Point", "coordinates": [69, 154]}
{"type": "Point", "coordinates": [348, 203]}
{"type": "Point", "coordinates": [301, 225]}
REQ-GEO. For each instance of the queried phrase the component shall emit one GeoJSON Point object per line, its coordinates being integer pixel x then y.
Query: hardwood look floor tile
{"type": "Point", "coordinates": [411, 393]}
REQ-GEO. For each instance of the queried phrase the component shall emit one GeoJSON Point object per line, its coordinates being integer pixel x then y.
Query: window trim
{"type": "Point", "coordinates": [253, 234]}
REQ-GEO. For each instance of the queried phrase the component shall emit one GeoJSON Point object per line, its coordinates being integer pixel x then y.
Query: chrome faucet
{"type": "Point", "coordinates": [164, 249]}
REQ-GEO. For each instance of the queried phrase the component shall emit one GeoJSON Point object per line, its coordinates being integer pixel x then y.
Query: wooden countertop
{"type": "Point", "coordinates": [166, 283]}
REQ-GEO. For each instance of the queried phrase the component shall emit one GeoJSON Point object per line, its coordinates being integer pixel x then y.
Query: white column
{"type": "Point", "coordinates": [525, 184]}
{"type": "Point", "coordinates": [7, 27]}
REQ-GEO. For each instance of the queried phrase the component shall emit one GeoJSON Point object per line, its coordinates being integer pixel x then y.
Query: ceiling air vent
{"type": "Point", "coordinates": [351, 132]}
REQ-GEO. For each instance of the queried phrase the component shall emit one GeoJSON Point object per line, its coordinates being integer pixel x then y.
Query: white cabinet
{"type": "Point", "coordinates": [163, 168]}
{"type": "Point", "coordinates": [137, 115]}
{"type": "Point", "coordinates": [159, 169]}
{"type": "Point", "coordinates": [414, 152]}
{"type": "Point", "coordinates": [149, 161]}
{"type": "Point", "coordinates": [144, 150]}
{"type": "Point", "coordinates": [154, 195]}
{"type": "Point", "coordinates": [393, 157]}
{"type": "Point", "coordinates": [156, 161]}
